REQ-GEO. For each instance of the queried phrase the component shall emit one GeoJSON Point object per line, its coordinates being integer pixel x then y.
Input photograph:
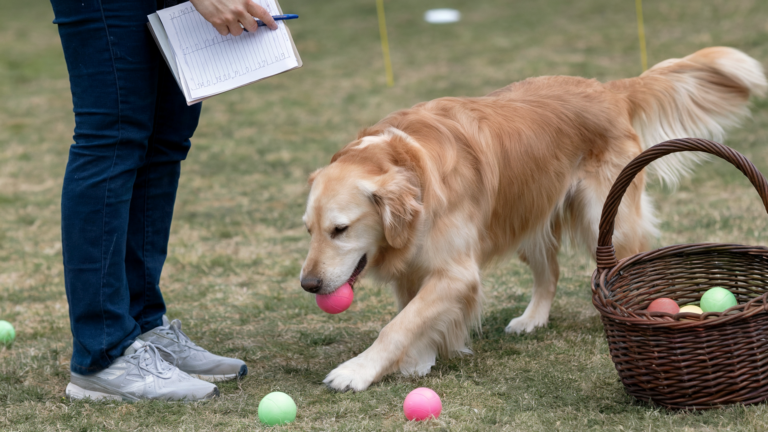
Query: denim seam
{"type": "Point", "coordinates": [147, 165]}
{"type": "Point", "coordinates": [146, 225]}
{"type": "Point", "coordinates": [106, 193]}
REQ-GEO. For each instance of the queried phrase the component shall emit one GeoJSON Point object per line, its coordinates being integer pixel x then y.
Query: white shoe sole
{"type": "Point", "coordinates": [217, 378]}
{"type": "Point", "coordinates": [214, 378]}
{"type": "Point", "coordinates": [76, 392]}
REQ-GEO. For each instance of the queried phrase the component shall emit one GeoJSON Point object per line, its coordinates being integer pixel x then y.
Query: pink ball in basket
{"type": "Point", "coordinates": [337, 301]}
{"type": "Point", "coordinates": [422, 404]}
{"type": "Point", "coordinates": [664, 305]}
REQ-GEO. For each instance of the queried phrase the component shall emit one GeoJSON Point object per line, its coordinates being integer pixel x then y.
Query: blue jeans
{"type": "Point", "coordinates": [132, 130]}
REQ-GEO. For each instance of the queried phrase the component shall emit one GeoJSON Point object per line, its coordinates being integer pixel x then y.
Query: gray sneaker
{"type": "Point", "coordinates": [140, 373]}
{"type": "Point", "coordinates": [191, 358]}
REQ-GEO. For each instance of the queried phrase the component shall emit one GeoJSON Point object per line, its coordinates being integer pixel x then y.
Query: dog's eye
{"type": "Point", "coordinates": [339, 230]}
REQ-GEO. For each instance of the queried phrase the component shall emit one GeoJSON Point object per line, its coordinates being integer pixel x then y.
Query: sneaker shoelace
{"type": "Point", "coordinates": [148, 356]}
{"type": "Point", "coordinates": [174, 330]}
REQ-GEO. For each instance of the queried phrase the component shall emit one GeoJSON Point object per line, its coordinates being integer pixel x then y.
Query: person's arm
{"type": "Point", "coordinates": [227, 15]}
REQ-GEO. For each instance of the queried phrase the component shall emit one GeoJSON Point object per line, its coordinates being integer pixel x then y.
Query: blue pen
{"type": "Point", "coordinates": [276, 18]}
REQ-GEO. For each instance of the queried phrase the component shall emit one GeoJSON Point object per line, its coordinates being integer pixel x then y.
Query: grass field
{"type": "Point", "coordinates": [238, 240]}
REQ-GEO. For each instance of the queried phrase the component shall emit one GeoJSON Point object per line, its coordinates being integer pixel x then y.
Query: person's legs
{"type": "Point", "coordinates": [113, 67]}
{"type": "Point", "coordinates": [150, 222]}
{"type": "Point", "coordinates": [154, 194]}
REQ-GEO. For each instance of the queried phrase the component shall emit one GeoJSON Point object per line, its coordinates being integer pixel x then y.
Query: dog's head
{"type": "Point", "coordinates": [357, 207]}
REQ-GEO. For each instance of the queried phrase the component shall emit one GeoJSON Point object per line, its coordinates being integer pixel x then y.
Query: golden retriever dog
{"type": "Point", "coordinates": [428, 196]}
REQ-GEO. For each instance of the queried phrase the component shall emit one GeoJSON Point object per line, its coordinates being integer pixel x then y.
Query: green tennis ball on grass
{"type": "Point", "coordinates": [717, 299]}
{"type": "Point", "coordinates": [277, 408]}
{"type": "Point", "coordinates": [7, 333]}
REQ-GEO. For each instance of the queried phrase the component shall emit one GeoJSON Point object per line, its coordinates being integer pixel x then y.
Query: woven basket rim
{"type": "Point", "coordinates": [602, 281]}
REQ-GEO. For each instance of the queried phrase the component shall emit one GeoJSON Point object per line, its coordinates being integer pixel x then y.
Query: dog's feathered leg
{"type": "Point", "coordinates": [435, 321]}
{"type": "Point", "coordinates": [541, 255]}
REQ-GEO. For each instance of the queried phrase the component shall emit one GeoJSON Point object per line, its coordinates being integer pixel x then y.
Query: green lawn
{"type": "Point", "coordinates": [238, 240]}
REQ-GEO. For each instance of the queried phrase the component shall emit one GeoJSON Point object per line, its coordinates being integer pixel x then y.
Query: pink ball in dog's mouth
{"type": "Point", "coordinates": [337, 301]}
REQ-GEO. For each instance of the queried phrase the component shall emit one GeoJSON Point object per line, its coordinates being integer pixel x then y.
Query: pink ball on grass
{"type": "Point", "coordinates": [337, 301]}
{"type": "Point", "coordinates": [422, 404]}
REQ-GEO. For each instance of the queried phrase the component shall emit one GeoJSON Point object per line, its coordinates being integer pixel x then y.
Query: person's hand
{"type": "Point", "coordinates": [227, 15]}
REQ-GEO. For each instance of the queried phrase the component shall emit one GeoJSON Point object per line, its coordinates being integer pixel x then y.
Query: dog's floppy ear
{"type": "Point", "coordinates": [398, 199]}
{"type": "Point", "coordinates": [312, 176]}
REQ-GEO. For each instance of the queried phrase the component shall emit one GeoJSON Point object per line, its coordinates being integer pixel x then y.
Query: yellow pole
{"type": "Point", "coordinates": [641, 34]}
{"type": "Point", "coordinates": [385, 42]}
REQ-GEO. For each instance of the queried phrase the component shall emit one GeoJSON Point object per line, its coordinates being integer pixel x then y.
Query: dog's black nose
{"type": "Point", "coordinates": [311, 284]}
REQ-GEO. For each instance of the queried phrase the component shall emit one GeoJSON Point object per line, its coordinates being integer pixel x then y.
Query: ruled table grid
{"type": "Point", "coordinates": [210, 60]}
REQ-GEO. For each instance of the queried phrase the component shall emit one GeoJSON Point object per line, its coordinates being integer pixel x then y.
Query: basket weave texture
{"type": "Point", "coordinates": [685, 361]}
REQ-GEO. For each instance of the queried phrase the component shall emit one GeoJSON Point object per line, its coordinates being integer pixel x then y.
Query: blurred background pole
{"type": "Point", "coordinates": [385, 43]}
{"type": "Point", "coordinates": [641, 34]}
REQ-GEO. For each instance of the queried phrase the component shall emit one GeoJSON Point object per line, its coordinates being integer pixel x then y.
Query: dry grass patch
{"type": "Point", "coordinates": [237, 241]}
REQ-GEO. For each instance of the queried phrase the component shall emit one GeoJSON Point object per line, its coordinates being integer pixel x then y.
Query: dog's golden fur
{"type": "Point", "coordinates": [431, 194]}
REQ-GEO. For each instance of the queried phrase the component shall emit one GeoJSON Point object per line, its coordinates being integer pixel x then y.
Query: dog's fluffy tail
{"type": "Point", "coordinates": [697, 96]}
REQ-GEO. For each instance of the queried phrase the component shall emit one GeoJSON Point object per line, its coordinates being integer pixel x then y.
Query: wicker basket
{"type": "Point", "coordinates": [685, 361]}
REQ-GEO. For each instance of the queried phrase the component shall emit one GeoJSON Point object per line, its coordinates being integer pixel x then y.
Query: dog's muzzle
{"type": "Point", "coordinates": [314, 285]}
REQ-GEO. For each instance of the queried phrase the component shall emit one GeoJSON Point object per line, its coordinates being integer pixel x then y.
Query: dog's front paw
{"type": "Point", "coordinates": [524, 324]}
{"type": "Point", "coordinates": [356, 375]}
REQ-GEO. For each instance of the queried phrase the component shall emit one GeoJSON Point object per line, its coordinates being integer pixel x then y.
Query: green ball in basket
{"type": "Point", "coordinates": [7, 333]}
{"type": "Point", "coordinates": [717, 299]}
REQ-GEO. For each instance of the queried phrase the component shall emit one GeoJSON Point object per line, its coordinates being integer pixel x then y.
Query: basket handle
{"type": "Point", "coordinates": [605, 254]}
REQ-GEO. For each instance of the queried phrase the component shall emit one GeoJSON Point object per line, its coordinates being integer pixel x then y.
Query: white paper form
{"type": "Point", "coordinates": [212, 64]}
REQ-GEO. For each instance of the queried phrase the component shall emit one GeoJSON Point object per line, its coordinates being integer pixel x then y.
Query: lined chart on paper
{"type": "Point", "coordinates": [211, 63]}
